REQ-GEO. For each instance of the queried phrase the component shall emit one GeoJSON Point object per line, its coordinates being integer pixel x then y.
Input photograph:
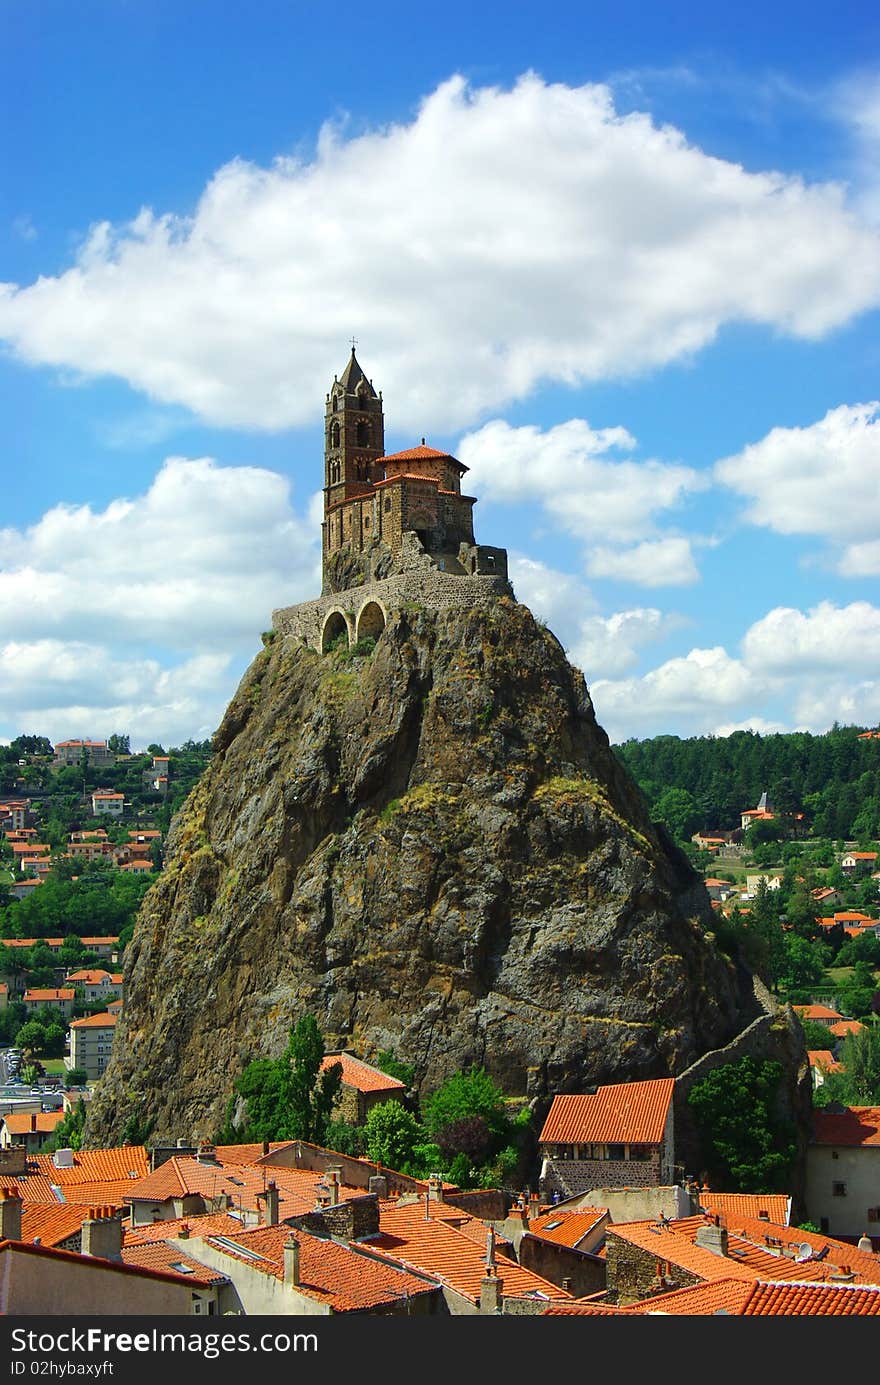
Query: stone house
{"type": "Point", "coordinates": [620, 1136]}
{"type": "Point", "coordinates": [362, 1087]}
{"type": "Point", "coordinates": [56, 998]}
{"type": "Point", "coordinates": [29, 1129]}
{"type": "Point", "coordinates": [97, 753]}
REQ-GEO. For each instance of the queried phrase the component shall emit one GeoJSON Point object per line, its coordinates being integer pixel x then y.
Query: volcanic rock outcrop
{"type": "Point", "coordinates": [433, 849]}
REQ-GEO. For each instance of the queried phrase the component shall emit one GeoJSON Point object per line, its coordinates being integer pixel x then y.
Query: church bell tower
{"type": "Point", "coordinates": [354, 435]}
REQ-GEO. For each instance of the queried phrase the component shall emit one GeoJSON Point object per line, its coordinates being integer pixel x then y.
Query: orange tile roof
{"type": "Point", "coordinates": [855, 1127]}
{"type": "Point", "coordinates": [363, 1076]}
{"type": "Point", "coordinates": [205, 1224]}
{"type": "Point", "coordinates": [103, 1021]}
{"type": "Point", "coordinates": [344, 1277]}
{"type": "Point", "coordinates": [50, 993]}
{"type": "Point", "coordinates": [180, 1176]}
{"type": "Point", "coordinates": [245, 1154]}
{"type": "Point", "coordinates": [89, 978]}
{"type": "Point", "coordinates": [96, 939]}
{"type": "Point", "coordinates": [19, 1122]}
{"type": "Point", "coordinates": [159, 1256]}
{"type": "Point", "coordinates": [420, 454]}
{"type": "Point", "coordinates": [567, 1228]}
{"type": "Point", "coordinates": [52, 1224]}
{"type": "Point", "coordinates": [123, 1163]}
{"type": "Point", "coordinates": [816, 1012]}
{"type": "Point", "coordinates": [438, 1248]}
{"type": "Point", "coordinates": [625, 1113]}
{"type": "Point", "coordinates": [766, 1299]}
{"type": "Point", "coordinates": [823, 1059]}
{"type": "Point", "coordinates": [844, 1027]}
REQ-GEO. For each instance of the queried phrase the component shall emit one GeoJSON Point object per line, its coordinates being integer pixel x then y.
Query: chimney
{"type": "Point", "coordinates": [322, 1197]}
{"type": "Point", "coordinates": [270, 1196]}
{"type": "Point", "coordinates": [435, 1186]}
{"type": "Point", "coordinates": [490, 1249]}
{"type": "Point", "coordinates": [10, 1214]}
{"type": "Point", "coordinates": [427, 1205]}
{"type": "Point", "coordinates": [334, 1177]}
{"type": "Point", "coordinates": [534, 1205]}
{"type": "Point", "coordinates": [265, 1147]}
{"type": "Point", "coordinates": [566, 1285]}
{"type": "Point", "coordinates": [491, 1292]}
{"type": "Point", "coordinates": [712, 1237]}
{"type": "Point", "coordinates": [33, 1122]}
{"type": "Point", "coordinates": [379, 1185]}
{"type": "Point", "coordinates": [206, 1154]}
{"type": "Point", "coordinates": [183, 1233]}
{"type": "Point", "coordinates": [102, 1234]}
{"type": "Point", "coordinates": [291, 1262]}
{"type": "Point", "coordinates": [866, 1244]}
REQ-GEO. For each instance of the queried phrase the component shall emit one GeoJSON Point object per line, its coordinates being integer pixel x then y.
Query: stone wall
{"type": "Point", "coordinates": [774, 1035]}
{"type": "Point", "coordinates": [439, 590]}
{"type": "Point", "coordinates": [570, 1269]}
{"type": "Point", "coordinates": [570, 1176]}
{"type": "Point", "coordinates": [632, 1273]}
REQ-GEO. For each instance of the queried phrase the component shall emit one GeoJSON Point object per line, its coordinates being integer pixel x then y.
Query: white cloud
{"type": "Point", "coordinates": [659, 563]}
{"type": "Point", "coordinates": [796, 670]}
{"type": "Point", "coordinates": [140, 617]}
{"type": "Point", "coordinates": [695, 689]}
{"type": "Point", "coordinates": [828, 638]}
{"type": "Point", "coordinates": [72, 688]}
{"type": "Point", "coordinates": [856, 101]}
{"type": "Point", "coordinates": [558, 598]}
{"type": "Point", "coordinates": [500, 239]}
{"type": "Point", "coordinates": [566, 470]}
{"type": "Point", "coordinates": [608, 646]}
{"type": "Point", "coordinates": [200, 559]}
{"type": "Point", "coordinates": [821, 480]}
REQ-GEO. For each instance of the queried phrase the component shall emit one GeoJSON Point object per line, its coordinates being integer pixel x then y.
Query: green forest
{"type": "Point", "coordinates": [704, 783]}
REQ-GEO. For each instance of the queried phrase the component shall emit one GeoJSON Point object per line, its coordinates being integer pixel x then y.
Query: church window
{"type": "Point", "coordinates": [366, 521]}
{"type": "Point", "coordinates": [363, 434]}
{"type": "Point", "coordinates": [387, 503]}
{"type": "Point", "coordinates": [334, 434]}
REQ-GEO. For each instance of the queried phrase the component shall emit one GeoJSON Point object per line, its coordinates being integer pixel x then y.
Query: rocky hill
{"type": "Point", "coordinates": [433, 849]}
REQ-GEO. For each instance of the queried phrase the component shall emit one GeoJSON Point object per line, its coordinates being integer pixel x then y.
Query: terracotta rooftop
{"type": "Point", "coordinates": [625, 1113]}
{"type": "Point", "coordinates": [209, 1224]}
{"type": "Point", "coordinates": [103, 1021]}
{"type": "Point", "coordinates": [767, 1299]}
{"type": "Point", "coordinates": [732, 1205]}
{"type": "Point", "coordinates": [51, 993]}
{"type": "Point", "coordinates": [421, 454]}
{"type": "Point", "coordinates": [22, 1123]}
{"type": "Point", "coordinates": [844, 1027]}
{"type": "Point", "coordinates": [567, 1228]}
{"type": "Point", "coordinates": [435, 1247]}
{"type": "Point", "coordinates": [816, 1012]}
{"type": "Point", "coordinates": [363, 1076]}
{"type": "Point", "coordinates": [856, 1126]}
{"type": "Point", "coordinates": [186, 1176]}
{"type": "Point", "coordinates": [52, 1224]}
{"type": "Point", "coordinates": [158, 1255]}
{"type": "Point", "coordinates": [340, 1276]}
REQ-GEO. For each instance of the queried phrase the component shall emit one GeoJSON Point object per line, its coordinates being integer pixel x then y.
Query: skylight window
{"type": "Point", "coordinates": [236, 1249]}
{"type": "Point", "coordinates": [182, 1268]}
{"type": "Point", "coordinates": [552, 1225]}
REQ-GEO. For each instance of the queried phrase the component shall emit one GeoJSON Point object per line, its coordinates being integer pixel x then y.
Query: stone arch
{"type": "Point", "coordinates": [336, 623]}
{"type": "Point", "coordinates": [372, 619]}
{"type": "Point", "coordinates": [334, 434]}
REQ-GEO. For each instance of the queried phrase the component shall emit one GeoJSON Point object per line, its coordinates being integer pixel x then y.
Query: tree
{"type": "Point", "coordinates": [746, 1145]}
{"type": "Point", "coordinates": [68, 1133]}
{"type": "Point", "coordinates": [803, 963]}
{"type": "Point", "coordinates": [859, 1082]}
{"type": "Point", "coordinates": [119, 744]}
{"type": "Point", "coordinates": [464, 1095]}
{"type": "Point", "coordinates": [816, 1036]}
{"type": "Point", "coordinates": [392, 1134]}
{"type": "Point", "coordinates": [290, 1098]}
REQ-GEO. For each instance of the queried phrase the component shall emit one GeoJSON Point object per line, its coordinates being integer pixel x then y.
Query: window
{"type": "Point", "coordinates": [363, 434]}
{"type": "Point", "coordinates": [387, 503]}
{"type": "Point", "coordinates": [838, 1190]}
{"type": "Point", "coordinates": [616, 1152]}
{"type": "Point", "coordinates": [640, 1151]}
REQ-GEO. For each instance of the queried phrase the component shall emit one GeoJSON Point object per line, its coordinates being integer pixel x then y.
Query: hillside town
{"type": "Point", "coordinates": [614, 1219]}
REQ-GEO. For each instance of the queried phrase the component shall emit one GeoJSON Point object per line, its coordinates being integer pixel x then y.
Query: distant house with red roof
{"type": "Point", "coordinates": [858, 862]}
{"type": "Point", "coordinates": [818, 1014]}
{"type": "Point", "coordinates": [622, 1135]}
{"type": "Point", "coordinates": [58, 998]}
{"type": "Point", "coordinates": [843, 1171]}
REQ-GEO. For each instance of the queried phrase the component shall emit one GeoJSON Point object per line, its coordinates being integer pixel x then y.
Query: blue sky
{"type": "Point", "coordinates": [623, 261]}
